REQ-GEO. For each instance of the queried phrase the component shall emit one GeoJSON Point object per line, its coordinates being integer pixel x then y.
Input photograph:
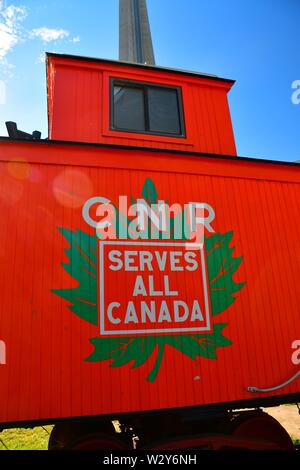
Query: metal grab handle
{"type": "Point", "coordinates": [272, 389]}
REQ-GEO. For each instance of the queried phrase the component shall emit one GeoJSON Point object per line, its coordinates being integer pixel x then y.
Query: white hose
{"type": "Point", "coordinates": [272, 389]}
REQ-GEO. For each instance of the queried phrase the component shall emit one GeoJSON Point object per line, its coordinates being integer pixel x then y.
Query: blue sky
{"type": "Point", "coordinates": [254, 42]}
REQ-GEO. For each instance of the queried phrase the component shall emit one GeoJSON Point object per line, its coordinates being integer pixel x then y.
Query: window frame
{"type": "Point", "coordinates": [145, 86]}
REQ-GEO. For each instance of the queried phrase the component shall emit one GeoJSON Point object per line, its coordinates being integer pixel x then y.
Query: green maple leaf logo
{"type": "Point", "coordinates": [82, 265]}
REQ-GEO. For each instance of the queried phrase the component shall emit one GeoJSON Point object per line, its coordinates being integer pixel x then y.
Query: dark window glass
{"type": "Point", "coordinates": [129, 112]}
{"type": "Point", "coordinates": [163, 111]}
{"type": "Point", "coordinates": [139, 107]}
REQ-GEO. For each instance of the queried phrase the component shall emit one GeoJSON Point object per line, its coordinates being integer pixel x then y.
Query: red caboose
{"type": "Point", "coordinates": [149, 274]}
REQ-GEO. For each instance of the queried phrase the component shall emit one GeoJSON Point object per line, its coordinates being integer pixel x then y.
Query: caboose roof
{"type": "Point", "coordinates": [138, 66]}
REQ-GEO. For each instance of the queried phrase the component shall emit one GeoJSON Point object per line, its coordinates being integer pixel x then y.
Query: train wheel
{"type": "Point", "coordinates": [87, 436]}
{"type": "Point", "coordinates": [261, 427]}
{"type": "Point", "coordinates": [98, 442]}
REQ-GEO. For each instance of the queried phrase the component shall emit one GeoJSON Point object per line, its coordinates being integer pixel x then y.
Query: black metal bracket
{"type": "Point", "coordinates": [15, 133]}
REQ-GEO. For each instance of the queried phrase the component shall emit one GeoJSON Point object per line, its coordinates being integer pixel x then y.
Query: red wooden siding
{"type": "Point", "coordinates": [43, 187]}
{"type": "Point", "coordinates": [78, 106]}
